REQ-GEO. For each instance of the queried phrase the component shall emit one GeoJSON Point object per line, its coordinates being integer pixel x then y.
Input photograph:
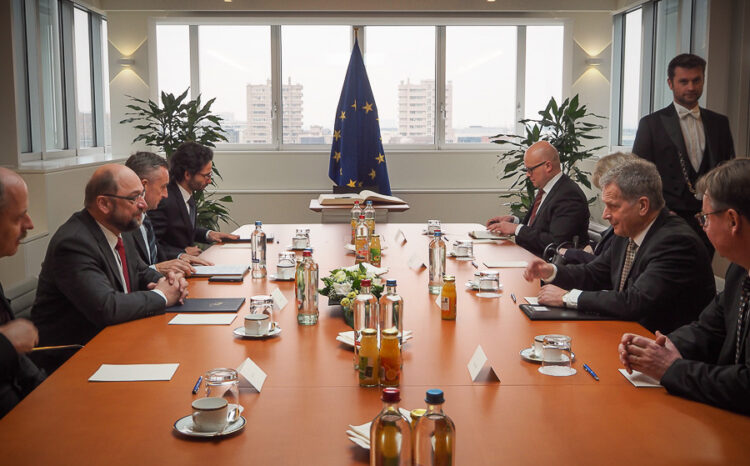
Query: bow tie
{"type": "Point", "coordinates": [684, 113]}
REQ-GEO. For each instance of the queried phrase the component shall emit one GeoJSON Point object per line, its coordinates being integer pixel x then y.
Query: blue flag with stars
{"type": "Point", "coordinates": [357, 156]}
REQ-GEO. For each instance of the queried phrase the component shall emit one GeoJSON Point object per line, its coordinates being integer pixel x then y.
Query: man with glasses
{"type": "Point", "coordinates": [175, 220]}
{"type": "Point", "coordinates": [709, 360]}
{"type": "Point", "coordinates": [560, 212]}
{"type": "Point", "coordinates": [92, 275]}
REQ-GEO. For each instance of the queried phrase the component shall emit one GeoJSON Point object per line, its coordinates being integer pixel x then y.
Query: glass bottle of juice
{"type": "Point", "coordinates": [375, 250]}
{"type": "Point", "coordinates": [369, 359]}
{"type": "Point", "coordinates": [362, 242]}
{"type": "Point", "coordinates": [356, 212]}
{"type": "Point", "coordinates": [448, 298]}
{"type": "Point", "coordinates": [369, 213]}
{"type": "Point", "coordinates": [434, 434]}
{"type": "Point", "coordinates": [390, 433]}
{"type": "Point", "coordinates": [390, 358]}
{"type": "Point", "coordinates": [392, 310]}
{"type": "Point", "coordinates": [365, 310]}
{"type": "Point", "coordinates": [437, 263]}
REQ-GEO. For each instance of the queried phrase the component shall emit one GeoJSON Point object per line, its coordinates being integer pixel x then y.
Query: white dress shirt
{"type": "Point", "coordinates": [692, 133]}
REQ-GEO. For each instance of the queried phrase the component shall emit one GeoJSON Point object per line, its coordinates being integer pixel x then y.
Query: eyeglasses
{"type": "Point", "coordinates": [205, 175]}
{"type": "Point", "coordinates": [132, 199]}
{"type": "Point", "coordinates": [703, 217]}
{"type": "Point", "coordinates": [531, 169]}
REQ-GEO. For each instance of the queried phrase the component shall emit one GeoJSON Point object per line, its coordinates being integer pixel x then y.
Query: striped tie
{"type": "Point", "coordinates": [744, 298]}
{"type": "Point", "coordinates": [151, 239]}
{"type": "Point", "coordinates": [629, 258]}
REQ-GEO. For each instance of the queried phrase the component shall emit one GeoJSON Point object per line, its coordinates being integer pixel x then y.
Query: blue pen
{"type": "Point", "coordinates": [591, 371]}
{"type": "Point", "coordinates": [197, 385]}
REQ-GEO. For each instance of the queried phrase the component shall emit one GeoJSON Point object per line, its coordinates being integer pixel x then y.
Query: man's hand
{"type": "Point", "coordinates": [551, 295]}
{"type": "Point", "coordinates": [175, 291]}
{"type": "Point", "coordinates": [651, 357]}
{"type": "Point", "coordinates": [22, 335]}
{"type": "Point", "coordinates": [538, 269]}
{"type": "Point", "coordinates": [194, 260]}
{"type": "Point", "coordinates": [217, 236]}
{"type": "Point", "coordinates": [503, 228]}
{"type": "Point", "coordinates": [193, 251]}
{"type": "Point", "coordinates": [175, 266]}
{"type": "Point", "coordinates": [504, 218]}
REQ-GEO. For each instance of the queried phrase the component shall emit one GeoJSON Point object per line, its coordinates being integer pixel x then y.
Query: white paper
{"type": "Point", "coordinates": [400, 237]}
{"type": "Point", "coordinates": [237, 246]}
{"type": "Point", "coordinates": [415, 263]}
{"type": "Point", "coordinates": [487, 235]}
{"type": "Point", "coordinates": [531, 300]}
{"type": "Point", "coordinates": [506, 264]}
{"type": "Point", "coordinates": [279, 300]}
{"type": "Point", "coordinates": [210, 270]}
{"type": "Point", "coordinates": [640, 379]}
{"type": "Point", "coordinates": [538, 308]}
{"type": "Point", "coordinates": [251, 375]}
{"type": "Point", "coordinates": [133, 372]}
{"type": "Point", "coordinates": [203, 319]}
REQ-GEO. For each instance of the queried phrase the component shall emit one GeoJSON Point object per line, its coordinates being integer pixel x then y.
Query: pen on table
{"type": "Point", "coordinates": [591, 372]}
{"type": "Point", "coordinates": [513, 297]}
{"type": "Point", "coordinates": [474, 264]}
{"type": "Point", "coordinates": [45, 348]}
{"type": "Point", "coordinates": [197, 384]}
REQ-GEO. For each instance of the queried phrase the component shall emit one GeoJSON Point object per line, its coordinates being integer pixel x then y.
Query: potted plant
{"type": "Point", "coordinates": [565, 126]}
{"type": "Point", "coordinates": [175, 121]}
{"type": "Point", "coordinates": [343, 285]}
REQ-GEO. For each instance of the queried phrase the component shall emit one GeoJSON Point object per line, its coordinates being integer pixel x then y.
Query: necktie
{"type": "Point", "coordinates": [744, 298]}
{"type": "Point", "coordinates": [120, 248]}
{"type": "Point", "coordinates": [692, 134]}
{"type": "Point", "coordinates": [151, 239]}
{"type": "Point", "coordinates": [191, 210]}
{"type": "Point", "coordinates": [629, 258]}
{"type": "Point", "coordinates": [537, 201]}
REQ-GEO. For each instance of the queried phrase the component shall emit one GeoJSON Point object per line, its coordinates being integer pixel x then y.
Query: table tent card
{"type": "Point", "coordinates": [251, 376]}
{"type": "Point", "coordinates": [400, 237]}
{"type": "Point", "coordinates": [477, 363]}
{"type": "Point", "coordinates": [416, 263]}
{"type": "Point", "coordinates": [279, 300]}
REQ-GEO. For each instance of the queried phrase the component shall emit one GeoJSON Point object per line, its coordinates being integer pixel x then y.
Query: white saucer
{"type": "Point", "coordinates": [460, 258]}
{"type": "Point", "coordinates": [472, 285]}
{"type": "Point", "coordinates": [240, 332]}
{"type": "Point", "coordinates": [274, 278]}
{"type": "Point", "coordinates": [527, 354]}
{"type": "Point", "coordinates": [290, 248]}
{"type": "Point", "coordinates": [185, 426]}
{"type": "Point", "coordinates": [557, 371]}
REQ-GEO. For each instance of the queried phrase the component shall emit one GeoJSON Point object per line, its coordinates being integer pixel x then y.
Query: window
{"type": "Point", "coordinates": [544, 54]}
{"type": "Point", "coordinates": [107, 130]}
{"type": "Point", "coordinates": [173, 56]}
{"type": "Point", "coordinates": [84, 109]}
{"type": "Point", "coordinates": [665, 48]}
{"type": "Point", "coordinates": [631, 78]}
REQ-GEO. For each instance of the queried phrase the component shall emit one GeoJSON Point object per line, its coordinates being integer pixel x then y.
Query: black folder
{"type": "Point", "coordinates": [208, 305]}
{"type": "Point", "coordinates": [542, 312]}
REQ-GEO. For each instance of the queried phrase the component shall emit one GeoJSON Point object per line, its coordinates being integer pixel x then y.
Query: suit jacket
{"type": "Point", "coordinates": [669, 283]}
{"type": "Point", "coordinates": [659, 139]}
{"type": "Point", "coordinates": [80, 291]}
{"type": "Point", "coordinates": [172, 226]}
{"type": "Point", "coordinates": [563, 215]}
{"type": "Point", "coordinates": [707, 372]}
{"type": "Point", "coordinates": [140, 245]}
{"type": "Point", "coordinates": [579, 256]}
{"type": "Point", "coordinates": [18, 375]}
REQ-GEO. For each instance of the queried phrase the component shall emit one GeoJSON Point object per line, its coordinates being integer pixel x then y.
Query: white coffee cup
{"type": "Point", "coordinates": [209, 414]}
{"type": "Point", "coordinates": [257, 324]}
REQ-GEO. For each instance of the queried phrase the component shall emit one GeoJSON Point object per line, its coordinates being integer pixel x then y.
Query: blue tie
{"type": "Point", "coordinates": [151, 239]}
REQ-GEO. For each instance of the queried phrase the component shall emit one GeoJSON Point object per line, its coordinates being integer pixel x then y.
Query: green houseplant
{"type": "Point", "coordinates": [175, 121]}
{"type": "Point", "coordinates": [566, 127]}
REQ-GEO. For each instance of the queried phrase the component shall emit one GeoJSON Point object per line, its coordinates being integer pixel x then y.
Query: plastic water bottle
{"type": "Point", "coordinates": [306, 281]}
{"type": "Point", "coordinates": [258, 242]}
{"type": "Point", "coordinates": [390, 433]}
{"type": "Point", "coordinates": [369, 214]}
{"type": "Point", "coordinates": [434, 434]}
{"type": "Point", "coordinates": [365, 310]}
{"type": "Point", "coordinates": [437, 263]}
{"type": "Point", "coordinates": [392, 310]}
{"type": "Point", "coordinates": [356, 212]}
{"type": "Point", "coordinates": [362, 241]}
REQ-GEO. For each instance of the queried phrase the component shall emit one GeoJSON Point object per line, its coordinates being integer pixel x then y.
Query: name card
{"type": "Point", "coordinates": [251, 376]}
{"type": "Point", "coordinates": [478, 362]}
{"type": "Point", "coordinates": [439, 300]}
{"type": "Point", "coordinates": [279, 300]}
{"type": "Point", "coordinates": [400, 237]}
{"type": "Point", "coordinates": [415, 263]}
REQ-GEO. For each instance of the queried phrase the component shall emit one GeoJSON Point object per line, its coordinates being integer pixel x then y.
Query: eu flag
{"type": "Point", "coordinates": [357, 156]}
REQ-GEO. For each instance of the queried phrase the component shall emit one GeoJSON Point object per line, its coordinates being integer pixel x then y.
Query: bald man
{"type": "Point", "coordinates": [18, 375]}
{"type": "Point", "coordinates": [560, 212]}
{"type": "Point", "coordinates": [92, 275]}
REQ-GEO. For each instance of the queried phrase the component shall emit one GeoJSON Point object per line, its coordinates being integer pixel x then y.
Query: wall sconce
{"type": "Point", "coordinates": [135, 61]}
{"type": "Point", "coordinates": [126, 62]}
{"type": "Point", "coordinates": [583, 61]}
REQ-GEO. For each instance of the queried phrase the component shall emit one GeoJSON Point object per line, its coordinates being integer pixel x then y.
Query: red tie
{"type": "Point", "coordinates": [120, 248]}
{"type": "Point", "coordinates": [537, 201]}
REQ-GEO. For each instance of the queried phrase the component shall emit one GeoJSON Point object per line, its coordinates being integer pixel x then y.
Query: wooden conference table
{"type": "Point", "coordinates": [311, 392]}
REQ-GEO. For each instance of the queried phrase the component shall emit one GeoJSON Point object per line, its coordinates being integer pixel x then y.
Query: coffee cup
{"type": "Point", "coordinates": [257, 324]}
{"type": "Point", "coordinates": [210, 414]}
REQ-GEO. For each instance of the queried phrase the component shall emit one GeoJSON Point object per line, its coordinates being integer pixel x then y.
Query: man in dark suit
{"type": "Point", "coordinates": [560, 212]}
{"type": "Point", "coordinates": [175, 220]}
{"type": "Point", "coordinates": [709, 360]}
{"type": "Point", "coordinates": [18, 375]}
{"type": "Point", "coordinates": [683, 140]}
{"type": "Point", "coordinates": [152, 170]}
{"type": "Point", "coordinates": [92, 276]}
{"type": "Point", "coordinates": [657, 270]}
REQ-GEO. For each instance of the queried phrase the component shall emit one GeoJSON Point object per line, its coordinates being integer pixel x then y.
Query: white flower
{"type": "Point", "coordinates": [342, 289]}
{"type": "Point", "coordinates": [339, 276]}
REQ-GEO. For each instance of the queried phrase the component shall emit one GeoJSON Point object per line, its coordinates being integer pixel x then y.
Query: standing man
{"type": "Point", "coordinates": [560, 212]}
{"type": "Point", "coordinates": [175, 220]}
{"type": "Point", "coordinates": [18, 375]}
{"type": "Point", "coordinates": [152, 170]}
{"type": "Point", "coordinates": [683, 140]}
{"type": "Point", "coordinates": [709, 360]}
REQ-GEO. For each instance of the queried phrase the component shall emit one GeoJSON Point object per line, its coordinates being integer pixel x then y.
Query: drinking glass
{"type": "Point", "coordinates": [488, 284]}
{"type": "Point", "coordinates": [263, 304]}
{"type": "Point", "coordinates": [432, 226]}
{"type": "Point", "coordinates": [557, 356]}
{"type": "Point", "coordinates": [225, 383]}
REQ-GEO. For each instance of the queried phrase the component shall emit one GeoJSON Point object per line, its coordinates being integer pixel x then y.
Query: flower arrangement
{"type": "Point", "coordinates": [343, 285]}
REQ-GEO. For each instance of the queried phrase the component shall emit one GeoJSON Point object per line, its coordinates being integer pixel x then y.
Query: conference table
{"type": "Point", "coordinates": [311, 393]}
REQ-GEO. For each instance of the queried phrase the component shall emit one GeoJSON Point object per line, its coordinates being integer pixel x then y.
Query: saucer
{"type": "Point", "coordinates": [460, 258]}
{"type": "Point", "coordinates": [240, 332]}
{"type": "Point", "coordinates": [185, 426]}
{"type": "Point", "coordinates": [472, 285]}
{"type": "Point", "coordinates": [274, 278]}
{"type": "Point", "coordinates": [289, 247]}
{"type": "Point", "coordinates": [527, 354]}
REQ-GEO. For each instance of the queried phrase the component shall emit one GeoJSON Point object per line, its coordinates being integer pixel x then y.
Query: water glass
{"type": "Point", "coordinates": [464, 248]}
{"type": "Point", "coordinates": [488, 284]}
{"type": "Point", "coordinates": [286, 266]}
{"type": "Point", "coordinates": [224, 383]}
{"type": "Point", "coordinates": [263, 304]}
{"type": "Point", "coordinates": [433, 226]}
{"type": "Point", "coordinates": [557, 356]}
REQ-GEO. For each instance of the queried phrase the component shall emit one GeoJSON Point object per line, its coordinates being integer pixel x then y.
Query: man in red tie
{"type": "Point", "coordinates": [92, 276]}
{"type": "Point", "coordinates": [560, 212]}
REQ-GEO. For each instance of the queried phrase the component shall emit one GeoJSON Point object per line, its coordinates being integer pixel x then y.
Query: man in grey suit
{"type": "Point", "coordinates": [92, 276]}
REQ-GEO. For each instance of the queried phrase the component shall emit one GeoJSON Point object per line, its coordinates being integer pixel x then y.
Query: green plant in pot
{"type": "Point", "coordinates": [567, 127]}
{"type": "Point", "coordinates": [177, 120]}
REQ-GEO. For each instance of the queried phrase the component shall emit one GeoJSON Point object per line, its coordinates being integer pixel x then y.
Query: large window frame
{"type": "Point", "coordinates": [359, 28]}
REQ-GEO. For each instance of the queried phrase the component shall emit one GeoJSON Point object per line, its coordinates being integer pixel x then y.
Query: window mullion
{"type": "Point", "coordinates": [67, 50]}
{"type": "Point", "coordinates": [440, 83]}
{"type": "Point", "coordinates": [97, 99]}
{"type": "Point", "coordinates": [276, 79]}
{"type": "Point", "coordinates": [618, 57]}
{"type": "Point", "coordinates": [32, 76]}
{"type": "Point", "coordinates": [647, 59]}
{"type": "Point", "coordinates": [195, 75]}
{"type": "Point", "coordinates": [520, 77]}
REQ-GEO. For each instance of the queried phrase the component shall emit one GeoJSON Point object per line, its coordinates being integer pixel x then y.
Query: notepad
{"type": "Point", "coordinates": [202, 319]}
{"type": "Point", "coordinates": [487, 235]}
{"type": "Point", "coordinates": [506, 265]}
{"type": "Point", "coordinates": [209, 270]}
{"type": "Point", "coordinates": [532, 300]}
{"type": "Point", "coordinates": [640, 380]}
{"type": "Point", "coordinates": [133, 372]}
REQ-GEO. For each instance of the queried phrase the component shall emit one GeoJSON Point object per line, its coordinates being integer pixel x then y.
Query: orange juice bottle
{"type": "Point", "coordinates": [369, 359]}
{"type": "Point", "coordinates": [448, 298]}
{"type": "Point", "coordinates": [390, 358]}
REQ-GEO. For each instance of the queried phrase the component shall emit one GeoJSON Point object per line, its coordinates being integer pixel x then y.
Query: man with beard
{"type": "Point", "coordinates": [92, 276]}
{"type": "Point", "coordinates": [175, 220]}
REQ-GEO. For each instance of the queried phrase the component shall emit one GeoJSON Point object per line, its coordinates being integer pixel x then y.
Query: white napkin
{"type": "Point", "coordinates": [639, 379]}
{"type": "Point", "coordinates": [369, 268]}
{"type": "Point", "coordinates": [347, 338]}
{"type": "Point", "coordinates": [360, 434]}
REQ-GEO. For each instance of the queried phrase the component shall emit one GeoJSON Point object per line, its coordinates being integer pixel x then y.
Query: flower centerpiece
{"type": "Point", "coordinates": [343, 285]}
